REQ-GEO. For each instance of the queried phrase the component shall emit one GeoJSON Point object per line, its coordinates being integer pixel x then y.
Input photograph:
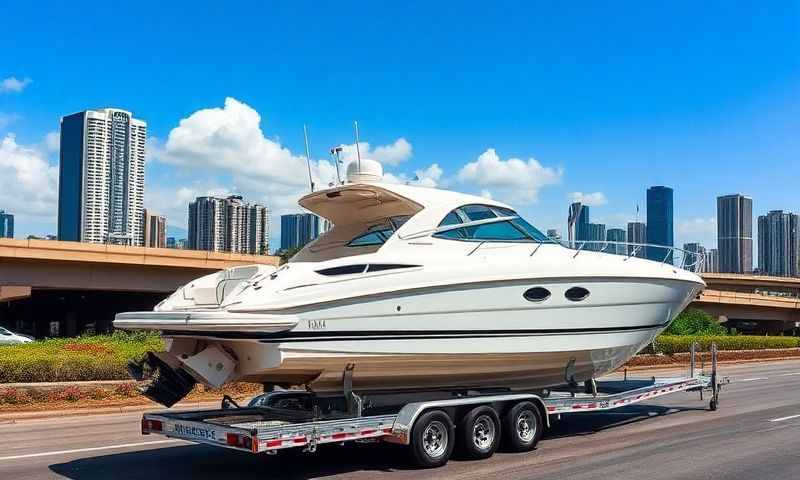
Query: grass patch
{"type": "Point", "coordinates": [97, 357]}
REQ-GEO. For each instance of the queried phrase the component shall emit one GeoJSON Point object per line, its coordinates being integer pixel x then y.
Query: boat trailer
{"type": "Point", "coordinates": [285, 419]}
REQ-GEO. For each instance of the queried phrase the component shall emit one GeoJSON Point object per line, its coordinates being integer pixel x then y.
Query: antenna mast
{"type": "Point", "coordinates": [308, 158]}
{"type": "Point", "coordinates": [335, 151]}
{"type": "Point", "coordinates": [358, 149]}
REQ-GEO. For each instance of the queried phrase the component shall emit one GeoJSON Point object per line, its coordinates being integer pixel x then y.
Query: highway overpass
{"type": "Point", "coordinates": [752, 303]}
{"type": "Point", "coordinates": [51, 288]}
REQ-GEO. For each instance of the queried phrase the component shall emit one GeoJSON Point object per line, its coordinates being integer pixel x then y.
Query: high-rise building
{"type": "Point", "coordinates": [554, 235]}
{"type": "Point", "coordinates": [616, 236]}
{"type": "Point", "coordinates": [735, 233]}
{"type": "Point", "coordinates": [779, 244]}
{"type": "Point", "coordinates": [101, 177]}
{"type": "Point", "coordinates": [155, 230]}
{"type": "Point", "coordinates": [659, 223]}
{"type": "Point", "coordinates": [637, 233]}
{"type": "Point", "coordinates": [171, 243]}
{"type": "Point", "coordinates": [711, 265]}
{"type": "Point", "coordinates": [297, 229]}
{"type": "Point", "coordinates": [6, 225]}
{"type": "Point", "coordinates": [595, 234]}
{"type": "Point", "coordinates": [228, 225]}
{"type": "Point", "coordinates": [693, 257]}
{"type": "Point", "coordinates": [577, 219]}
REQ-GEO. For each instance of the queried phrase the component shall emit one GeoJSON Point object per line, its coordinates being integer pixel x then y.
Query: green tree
{"type": "Point", "coordinates": [695, 322]}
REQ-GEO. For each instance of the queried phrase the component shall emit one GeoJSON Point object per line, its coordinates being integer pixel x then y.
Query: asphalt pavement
{"type": "Point", "coordinates": [755, 434]}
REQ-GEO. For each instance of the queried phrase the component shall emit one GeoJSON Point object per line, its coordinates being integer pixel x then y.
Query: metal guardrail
{"type": "Point", "coordinates": [690, 260]}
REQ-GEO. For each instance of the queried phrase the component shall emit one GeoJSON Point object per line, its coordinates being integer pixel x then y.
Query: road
{"type": "Point", "coordinates": [755, 434]}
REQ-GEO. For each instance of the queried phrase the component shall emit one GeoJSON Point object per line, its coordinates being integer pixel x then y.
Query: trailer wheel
{"type": "Point", "coordinates": [432, 439]}
{"type": "Point", "coordinates": [479, 433]}
{"type": "Point", "coordinates": [522, 427]}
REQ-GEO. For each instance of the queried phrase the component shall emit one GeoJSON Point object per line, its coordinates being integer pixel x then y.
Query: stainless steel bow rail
{"type": "Point", "coordinates": [689, 260]}
{"type": "Point", "coordinates": [280, 420]}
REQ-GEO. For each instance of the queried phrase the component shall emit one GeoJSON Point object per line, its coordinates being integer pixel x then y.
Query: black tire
{"type": "Point", "coordinates": [432, 439]}
{"type": "Point", "coordinates": [522, 427]}
{"type": "Point", "coordinates": [478, 434]}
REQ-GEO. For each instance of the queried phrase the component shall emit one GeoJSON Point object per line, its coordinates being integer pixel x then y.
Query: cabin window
{"type": "Point", "coordinates": [477, 212]}
{"type": "Point", "coordinates": [343, 270]}
{"type": "Point", "coordinates": [378, 234]}
{"type": "Point", "coordinates": [496, 231]}
{"type": "Point", "coordinates": [361, 268]}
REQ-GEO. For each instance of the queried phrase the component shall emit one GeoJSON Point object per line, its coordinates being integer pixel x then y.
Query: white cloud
{"type": "Point", "coordinates": [389, 155]}
{"type": "Point", "coordinates": [52, 142]}
{"type": "Point", "coordinates": [486, 194]}
{"type": "Point", "coordinates": [28, 183]}
{"type": "Point", "coordinates": [13, 84]}
{"type": "Point", "coordinates": [514, 180]}
{"type": "Point", "coordinates": [426, 177]}
{"type": "Point", "coordinates": [230, 140]}
{"type": "Point", "coordinates": [592, 199]}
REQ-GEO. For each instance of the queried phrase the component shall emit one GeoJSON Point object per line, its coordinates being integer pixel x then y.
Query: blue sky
{"type": "Point", "coordinates": [607, 99]}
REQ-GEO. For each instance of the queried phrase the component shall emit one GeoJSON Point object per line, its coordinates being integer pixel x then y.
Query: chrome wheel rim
{"type": "Point", "coordinates": [483, 432]}
{"type": "Point", "coordinates": [434, 439]}
{"type": "Point", "coordinates": [526, 426]}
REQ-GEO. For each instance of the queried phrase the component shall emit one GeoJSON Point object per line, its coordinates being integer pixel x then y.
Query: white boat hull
{"type": "Point", "coordinates": [519, 345]}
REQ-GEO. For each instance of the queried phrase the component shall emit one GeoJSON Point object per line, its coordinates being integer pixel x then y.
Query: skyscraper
{"type": "Point", "coordinates": [637, 233]}
{"type": "Point", "coordinates": [577, 218]}
{"type": "Point", "coordinates": [101, 177]}
{"type": "Point", "coordinates": [735, 233]}
{"type": "Point", "coordinates": [659, 223]}
{"type": "Point", "coordinates": [711, 265]}
{"type": "Point", "coordinates": [595, 233]}
{"type": "Point", "coordinates": [297, 229]}
{"type": "Point", "coordinates": [6, 225]}
{"type": "Point", "coordinates": [553, 234]}
{"type": "Point", "coordinates": [228, 225]}
{"type": "Point", "coordinates": [615, 235]}
{"type": "Point", "coordinates": [155, 230]}
{"type": "Point", "coordinates": [693, 257]}
{"type": "Point", "coordinates": [778, 243]}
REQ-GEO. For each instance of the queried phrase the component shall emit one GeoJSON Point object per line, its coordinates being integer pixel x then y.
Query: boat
{"type": "Point", "coordinates": [413, 288]}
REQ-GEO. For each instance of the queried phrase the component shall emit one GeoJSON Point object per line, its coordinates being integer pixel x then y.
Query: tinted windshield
{"type": "Point", "coordinates": [513, 229]}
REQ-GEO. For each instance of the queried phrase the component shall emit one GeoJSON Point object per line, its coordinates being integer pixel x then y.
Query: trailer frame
{"type": "Point", "coordinates": [272, 422]}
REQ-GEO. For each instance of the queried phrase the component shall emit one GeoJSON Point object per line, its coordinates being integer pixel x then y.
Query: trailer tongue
{"type": "Point", "coordinates": [423, 420]}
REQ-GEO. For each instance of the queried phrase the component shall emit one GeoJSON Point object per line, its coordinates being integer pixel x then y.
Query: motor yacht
{"type": "Point", "coordinates": [413, 288]}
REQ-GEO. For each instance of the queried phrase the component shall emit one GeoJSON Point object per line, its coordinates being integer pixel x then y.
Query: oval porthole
{"type": "Point", "coordinates": [576, 294]}
{"type": "Point", "coordinates": [536, 294]}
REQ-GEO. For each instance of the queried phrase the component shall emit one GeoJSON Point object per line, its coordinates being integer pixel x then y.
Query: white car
{"type": "Point", "coordinates": [8, 337]}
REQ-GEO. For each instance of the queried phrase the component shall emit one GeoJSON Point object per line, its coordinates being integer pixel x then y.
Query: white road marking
{"type": "Point", "coordinates": [91, 449]}
{"type": "Point", "coordinates": [785, 418]}
{"type": "Point", "coordinates": [788, 374]}
{"type": "Point", "coordinates": [752, 379]}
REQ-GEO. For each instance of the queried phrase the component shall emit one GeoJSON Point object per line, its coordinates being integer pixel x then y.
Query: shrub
{"type": "Point", "coordinates": [695, 322]}
{"type": "Point", "coordinates": [99, 357]}
{"type": "Point", "coordinates": [72, 393]}
{"type": "Point", "coordinates": [13, 396]}
{"type": "Point", "coordinates": [127, 389]}
{"type": "Point", "coordinates": [669, 344]}
{"type": "Point", "coordinates": [98, 393]}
